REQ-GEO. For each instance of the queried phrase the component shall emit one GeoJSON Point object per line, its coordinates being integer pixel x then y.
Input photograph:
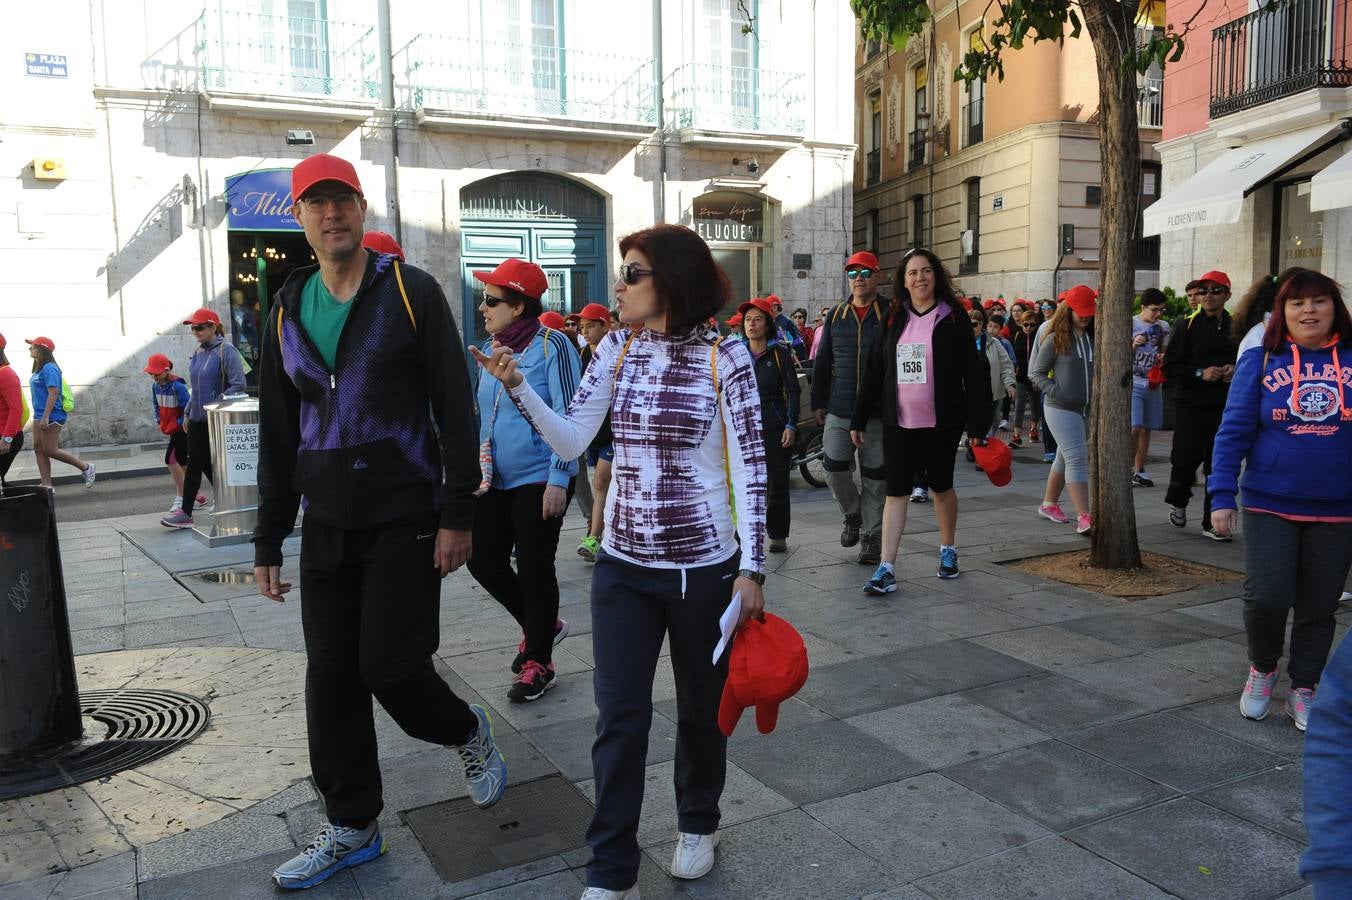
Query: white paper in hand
{"type": "Point", "coordinates": [727, 623]}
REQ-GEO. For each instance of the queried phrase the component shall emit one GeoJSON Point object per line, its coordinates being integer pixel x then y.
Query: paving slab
{"type": "Point", "coordinates": [1196, 851]}
{"type": "Point", "coordinates": [1173, 751]}
{"type": "Point", "coordinates": [1053, 703]}
{"type": "Point", "coordinates": [943, 731]}
{"type": "Point", "coordinates": [1057, 785]}
{"type": "Point", "coordinates": [247, 879]}
{"type": "Point", "coordinates": [1213, 657]}
{"type": "Point", "coordinates": [819, 760]}
{"type": "Point", "coordinates": [1051, 646]}
{"type": "Point", "coordinates": [1149, 682]}
{"type": "Point", "coordinates": [788, 855]}
{"type": "Point", "coordinates": [793, 711]}
{"type": "Point", "coordinates": [1052, 868]}
{"type": "Point", "coordinates": [236, 837]}
{"type": "Point", "coordinates": [1227, 613]}
{"type": "Point", "coordinates": [1273, 799]}
{"type": "Point", "coordinates": [1050, 607]}
{"type": "Point", "coordinates": [1275, 734]}
{"type": "Point", "coordinates": [568, 744]}
{"type": "Point", "coordinates": [966, 618]}
{"type": "Point", "coordinates": [862, 685]}
{"type": "Point", "coordinates": [958, 665]}
{"type": "Point", "coordinates": [113, 878]}
{"type": "Point", "coordinates": [923, 825]}
{"type": "Point", "coordinates": [1135, 632]}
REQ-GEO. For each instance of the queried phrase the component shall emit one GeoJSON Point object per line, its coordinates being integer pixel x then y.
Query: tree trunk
{"type": "Point", "coordinates": [1110, 26]}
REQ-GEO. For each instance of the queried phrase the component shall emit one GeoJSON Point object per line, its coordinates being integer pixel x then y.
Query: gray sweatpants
{"type": "Point", "coordinates": [1072, 443]}
{"type": "Point", "coordinates": [839, 463]}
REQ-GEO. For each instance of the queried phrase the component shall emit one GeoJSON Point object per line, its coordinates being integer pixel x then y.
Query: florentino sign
{"type": "Point", "coordinates": [260, 201]}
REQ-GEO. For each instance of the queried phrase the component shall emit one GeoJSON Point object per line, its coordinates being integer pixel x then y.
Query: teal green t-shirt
{"type": "Point", "coordinates": [323, 318]}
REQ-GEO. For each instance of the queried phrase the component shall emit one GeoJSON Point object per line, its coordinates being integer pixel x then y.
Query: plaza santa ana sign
{"type": "Point", "coordinates": [260, 201]}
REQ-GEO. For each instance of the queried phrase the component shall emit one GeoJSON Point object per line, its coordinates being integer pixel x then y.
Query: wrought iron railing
{"type": "Point", "coordinates": [1145, 252]}
{"type": "Point", "coordinates": [737, 98]}
{"type": "Point", "coordinates": [1291, 47]}
{"type": "Point", "coordinates": [502, 78]}
{"type": "Point", "coordinates": [1150, 104]}
{"type": "Point", "coordinates": [974, 122]}
{"type": "Point", "coordinates": [873, 172]}
{"type": "Point", "coordinates": [916, 142]}
{"type": "Point", "coordinates": [251, 53]}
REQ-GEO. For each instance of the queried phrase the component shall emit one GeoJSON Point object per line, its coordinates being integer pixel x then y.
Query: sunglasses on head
{"type": "Point", "coordinates": [630, 273]}
{"type": "Point", "coordinates": [852, 274]}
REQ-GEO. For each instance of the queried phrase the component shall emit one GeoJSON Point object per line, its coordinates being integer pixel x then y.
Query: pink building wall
{"type": "Point", "coordinates": [1187, 83]}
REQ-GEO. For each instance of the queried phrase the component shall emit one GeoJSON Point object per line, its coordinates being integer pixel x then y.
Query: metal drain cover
{"type": "Point", "coordinates": [141, 725]}
{"type": "Point", "coordinates": [532, 821]}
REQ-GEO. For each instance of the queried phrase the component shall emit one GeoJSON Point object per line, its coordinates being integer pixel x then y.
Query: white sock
{"type": "Point", "coordinates": [943, 547]}
{"type": "Point", "coordinates": [886, 567]}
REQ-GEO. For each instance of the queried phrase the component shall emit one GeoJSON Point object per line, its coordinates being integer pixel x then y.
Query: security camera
{"type": "Point", "coordinates": [299, 137]}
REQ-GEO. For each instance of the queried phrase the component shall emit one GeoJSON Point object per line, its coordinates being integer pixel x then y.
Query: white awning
{"type": "Point", "coordinates": [1215, 194]}
{"type": "Point", "coordinates": [1332, 188]}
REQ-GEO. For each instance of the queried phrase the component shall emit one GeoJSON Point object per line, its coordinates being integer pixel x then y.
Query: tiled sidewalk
{"type": "Point", "coordinates": [111, 461]}
{"type": "Point", "coordinates": [992, 736]}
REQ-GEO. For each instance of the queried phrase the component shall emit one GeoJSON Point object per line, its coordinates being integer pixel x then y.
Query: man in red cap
{"type": "Point", "coordinates": [11, 415]}
{"type": "Point", "coordinates": [843, 342]}
{"type": "Point", "coordinates": [363, 405]}
{"type": "Point", "coordinates": [1199, 361]}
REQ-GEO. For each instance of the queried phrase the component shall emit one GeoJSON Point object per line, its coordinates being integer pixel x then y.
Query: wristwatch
{"type": "Point", "coordinates": [758, 577]}
{"type": "Point", "coordinates": [1197, 373]}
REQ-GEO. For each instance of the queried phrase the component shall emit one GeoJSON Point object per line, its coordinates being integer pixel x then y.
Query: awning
{"type": "Point", "coordinates": [1332, 188]}
{"type": "Point", "coordinates": [1216, 193]}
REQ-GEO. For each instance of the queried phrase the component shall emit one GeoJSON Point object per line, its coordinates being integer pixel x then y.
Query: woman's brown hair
{"type": "Point", "coordinates": [1062, 322]}
{"type": "Point", "coordinates": [691, 286]}
{"type": "Point", "coordinates": [44, 356]}
{"type": "Point", "coordinates": [1306, 283]}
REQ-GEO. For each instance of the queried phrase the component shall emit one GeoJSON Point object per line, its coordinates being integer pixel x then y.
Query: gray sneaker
{"type": "Point", "coordinates": [485, 769]}
{"type": "Point", "coordinates": [1257, 696]}
{"type": "Point", "coordinates": [177, 519]}
{"type": "Point", "coordinates": [89, 474]}
{"type": "Point", "coordinates": [335, 848]}
{"type": "Point", "coordinates": [1298, 703]}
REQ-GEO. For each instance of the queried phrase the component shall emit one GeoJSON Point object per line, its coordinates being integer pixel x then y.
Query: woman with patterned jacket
{"type": "Point", "coordinates": [686, 418]}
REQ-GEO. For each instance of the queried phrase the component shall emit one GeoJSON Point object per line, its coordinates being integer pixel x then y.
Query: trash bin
{"type": "Point", "coordinates": [232, 423]}
{"type": "Point", "coordinates": [39, 700]}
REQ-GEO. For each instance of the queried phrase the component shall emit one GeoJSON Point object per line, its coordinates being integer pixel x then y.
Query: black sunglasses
{"type": "Point", "coordinates": [490, 301]}
{"type": "Point", "coordinates": [1212, 291]}
{"type": "Point", "coordinates": [204, 326]}
{"type": "Point", "coordinates": [630, 273]}
{"type": "Point", "coordinates": [852, 274]}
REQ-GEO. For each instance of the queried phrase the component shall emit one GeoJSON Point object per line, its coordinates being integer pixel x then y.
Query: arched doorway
{"type": "Point", "coordinates": [555, 223]}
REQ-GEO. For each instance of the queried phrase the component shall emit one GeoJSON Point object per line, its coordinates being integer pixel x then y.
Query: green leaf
{"type": "Point", "coordinates": [1204, 870]}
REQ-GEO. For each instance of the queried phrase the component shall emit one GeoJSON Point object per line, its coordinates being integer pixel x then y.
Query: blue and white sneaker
{"type": "Point", "coordinates": [882, 582]}
{"type": "Point", "coordinates": [335, 848]}
{"type": "Point", "coordinates": [948, 563]}
{"type": "Point", "coordinates": [485, 769]}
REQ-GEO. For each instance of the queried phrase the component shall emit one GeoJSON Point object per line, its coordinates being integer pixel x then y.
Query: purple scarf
{"type": "Point", "coordinates": [518, 334]}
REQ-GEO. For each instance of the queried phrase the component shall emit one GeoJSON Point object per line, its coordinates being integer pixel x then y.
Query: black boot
{"type": "Point", "coordinates": [849, 536]}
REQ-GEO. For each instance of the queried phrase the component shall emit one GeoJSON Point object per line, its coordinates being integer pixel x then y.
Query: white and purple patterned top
{"type": "Point", "coordinates": [668, 501]}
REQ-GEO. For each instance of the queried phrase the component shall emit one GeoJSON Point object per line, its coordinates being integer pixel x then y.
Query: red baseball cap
{"type": "Point", "coordinates": [42, 342]}
{"type": "Point", "coordinates": [1217, 277]}
{"type": "Point", "coordinates": [863, 259]}
{"type": "Point", "coordinates": [773, 300]}
{"type": "Point", "coordinates": [594, 312]}
{"type": "Point", "coordinates": [525, 277]}
{"type": "Point", "coordinates": [322, 167]}
{"type": "Point", "coordinates": [1080, 299]}
{"type": "Point", "coordinates": [766, 666]}
{"type": "Point", "coordinates": [157, 364]}
{"type": "Point", "coordinates": [734, 320]}
{"type": "Point", "coordinates": [2, 342]}
{"type": "Point", "coordinates": [551, 319]}
{"type": "Point", "coordinates": [761, 303]}
{"type": "Point", "coordinates": [995, 459]}
{"type": "Point", "coordinates": [202, 317]}
{"type": "Point", "coordinates": [381, 242]}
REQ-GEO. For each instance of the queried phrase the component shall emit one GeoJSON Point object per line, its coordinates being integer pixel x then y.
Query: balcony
{"type": "Point", "coordinates": [715, 105]}
{"type": "Point", "coordinates": [873, 170]}
{"type": "Point", "coordinates": [1272, 53]}
{"type": "Point", "coordinates": [252, 62]}
{"type": "Point", "coordinates": [1145, 251]}
{"type": "Point", "coordinates": [916, 141]}
{"type": "Point", "coordinates": [973, 122]}
{"type": "Point", "coordinates": [499, 87]}
{"type": "Point", "coordinates": [1150, 103]}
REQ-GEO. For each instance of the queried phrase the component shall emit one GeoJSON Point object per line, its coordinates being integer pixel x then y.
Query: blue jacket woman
{"type": "Point", "coordinates": [1288, 418]}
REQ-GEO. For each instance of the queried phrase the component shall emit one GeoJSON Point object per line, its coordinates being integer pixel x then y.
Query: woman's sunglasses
{"type": "Point", "coordinates": [204, 326]}
{"type": "Point", "coordinates": [630, 273]}
{"type": "Point", "coordinates": [852, 274]}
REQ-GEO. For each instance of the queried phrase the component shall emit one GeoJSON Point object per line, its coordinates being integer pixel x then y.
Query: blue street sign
{"type": "Point", "coordinates": [45, 65]}
{"type": "Point", "coordinates": [260, 201]}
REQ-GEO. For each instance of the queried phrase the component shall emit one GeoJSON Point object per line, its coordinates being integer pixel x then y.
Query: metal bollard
{"type": "Point", "coordinates": [39, 699]}
{"type": "Point", "coordinates": [232, 423]}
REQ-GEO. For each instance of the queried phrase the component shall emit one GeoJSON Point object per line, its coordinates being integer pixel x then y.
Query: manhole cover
{"type": "Point", "coordinates": [534, 820]}
{"type": "Point", "coordinates": [140, 725]}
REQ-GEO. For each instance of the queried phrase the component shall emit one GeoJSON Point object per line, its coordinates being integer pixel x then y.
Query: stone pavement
{"type": "Point", "coordinates": [996, 735]}
{"type": "Point", "coordinates": [111, 461]}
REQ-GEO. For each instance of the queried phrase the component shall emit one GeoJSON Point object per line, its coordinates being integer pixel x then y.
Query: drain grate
{"type": "Point", "coordinates": [534, 820]}
{"type": "Point", "coordinates": [142, 725]}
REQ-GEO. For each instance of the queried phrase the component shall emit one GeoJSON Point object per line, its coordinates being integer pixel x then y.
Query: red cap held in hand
{"type": "Point", "coordinates": [766, 666]}
{"type": "Point", "coordinates": [995, 459]}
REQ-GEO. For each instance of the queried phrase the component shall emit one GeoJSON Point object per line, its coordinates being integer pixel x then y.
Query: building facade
{"type": "Point", "coordinates": [154, 155]}
{"type": "Point", "coordinates": [1257, 161]}
{"type": "Point", "coordinates": [1002, 178]}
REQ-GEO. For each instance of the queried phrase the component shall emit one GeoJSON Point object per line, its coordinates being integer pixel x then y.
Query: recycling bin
{"type": "Point", "coordinates": [232, 423]}
{"type": "Point", "coordinates": [39, 699]}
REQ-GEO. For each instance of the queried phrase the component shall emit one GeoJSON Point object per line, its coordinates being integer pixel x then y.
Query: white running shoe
{"type": "Point", "coordinates": [694, 855]}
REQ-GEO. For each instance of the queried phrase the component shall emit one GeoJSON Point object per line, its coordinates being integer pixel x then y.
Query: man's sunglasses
{"type": "Point", "coordinates": [1213, 291]}
{"type": "Point", "coordinates": [852, 274]}
{"type": "Point", "coordinates": [630, 273]}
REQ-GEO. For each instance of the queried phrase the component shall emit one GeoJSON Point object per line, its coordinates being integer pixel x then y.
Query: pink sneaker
{"type": "Point", "coordinates": [1053, 511]}
{"type": "Point", "coordinates": [1084, 524]}
{"type": "Point", "coordinates": [1298, 703]}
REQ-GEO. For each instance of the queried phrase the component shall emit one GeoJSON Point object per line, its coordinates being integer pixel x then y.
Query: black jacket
{"type": "Point", "coordinates": [1023, 342]}
{"type": "Point", "coordinates": [962, 393]}
{"type": "Point", "coordinates": [777, 381]}
{"type": "Point", "coordinates": [604, 436]}
{"type": "Point", "coordinates": [388, 436]}
{"type": "Point", "coordinates": [1198, 342]}
{"type": "Point", "coordinates": [845, 341]}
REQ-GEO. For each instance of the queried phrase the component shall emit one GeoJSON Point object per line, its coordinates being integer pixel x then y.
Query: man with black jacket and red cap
{"type": "Point", "coordinates": [1199, 361]}
{"type": "Point", "coordinates": [365, 410]}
